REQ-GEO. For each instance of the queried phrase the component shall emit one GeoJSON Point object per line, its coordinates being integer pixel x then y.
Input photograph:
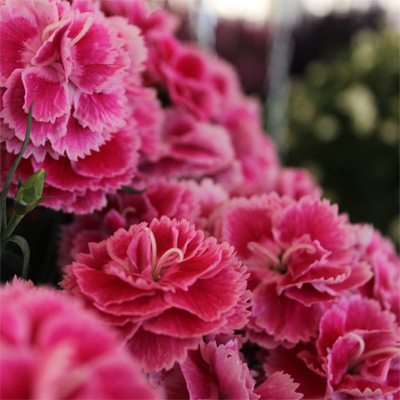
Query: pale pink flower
{"type": "Point", "coordinates": [163, 286]}
{"type": "Point", "coordinates": [300, 255]}
{"type": "Point", "coordinates": [53, 349]}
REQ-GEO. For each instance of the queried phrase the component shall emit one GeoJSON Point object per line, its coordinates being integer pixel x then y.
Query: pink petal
{"type": "Point", "coordinates": [101, 111]}
{"type": "Point", "coordinates": [181, 324]}
{"type": "Point", "coordinates": [100, 62]}
{"type": "Point", "coordinates": [299, 323]}
{"type": "Point", "coordinates": [49, 91]}
{"type": "Point", "coordinates": [103, 163]}
{"type": "Point", "coordinates": [15, 116]}
{"type": "Point", "coordinates": [206, 298]}
{"type": "Point", "coordinates": [313, 386]}
{"type": "Point", "coordinates": [49, 52]}
{"type": "Point", "coordinates": [79, 141]}
{"type": "Point", "coordinates": [155, 351]}
{"type": "Point", "coordinates": [318, 219]}
{"type": "Point", "coordinates": [279, 386]}
{"type": "Point", "coordinates": [103, 288]}
{"type": "Point", "coordinates": [19, 39]}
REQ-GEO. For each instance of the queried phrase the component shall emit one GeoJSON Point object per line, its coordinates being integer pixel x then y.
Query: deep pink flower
{"type": "Point", "coordinates": [53, 349]}
{"type": "Point", "coordinates": [357, 342]}
{"type": "Point", "coordinates": [381, 254]}
{"type": "Point", "coordinates": [77, 66]}
{"type": "Point", "coordinates": [174, 199]}
{"type": "Point", "coordinates": [191, 148]}
{"type": "Point", "coordinates": [296, 183]}
{"type": "Point", "coordinates": [194, 80]}
{"type": "Point", "coordinates": [300, 255]}
{"type": "Point", "coordinates": [254, 150]}
{"type": "Point", "coordinates": [210, 372]}
{"type": "Point", "coordinates": [216, 371]}
{"type": "Point", "coordinates": [163, 286]}
{"type": "Point", "coordinates": [159, 21]}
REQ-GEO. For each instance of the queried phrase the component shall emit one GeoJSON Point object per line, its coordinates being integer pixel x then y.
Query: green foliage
{"type": "Point", "coordinates": [344, 126]}
{"type": "Point", "coordinates": [28, 196]}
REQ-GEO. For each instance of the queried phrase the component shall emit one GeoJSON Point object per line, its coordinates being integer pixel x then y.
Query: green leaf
{"type": "Point", "coordinates": [131, 190]}
{"type": "Point", "coordinates": [23, 245]}
{"type": "Point", "coordinates": [7, 183]}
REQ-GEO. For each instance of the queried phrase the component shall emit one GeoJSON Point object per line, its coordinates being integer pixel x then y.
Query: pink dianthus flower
{"type": "Point", "coordinates": [77, 66]}
{"type": "Point", "coordinates": [381, 254]}
{"type": "Point", "coordinates": [51, 348]}
{"type": "Point", "coordinates": [191, 148]}
{"type": "Point", "coordinates": [194, 80]}
{"type": "Point", "coordinates": [357, 342]}
{"type": "Point", "coordinates": [217, 371]}
{"type": "Point", "coordinates": [300, 255]}
{"type": "Point", "coordinates": [163, 286]}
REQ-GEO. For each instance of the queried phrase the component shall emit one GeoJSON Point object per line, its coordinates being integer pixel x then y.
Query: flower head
{"type": "Point", "coordinates": [163, 286]}
{"type": "Point", "coordinates": [300, 253]}
{"type": "Point", "coordinates": [52, 348]}
{"type": "Point", "coordinates": [78, 67]}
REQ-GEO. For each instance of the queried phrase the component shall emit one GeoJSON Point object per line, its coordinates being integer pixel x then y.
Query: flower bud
{"type": "Point", "coordinates": [29, 194]}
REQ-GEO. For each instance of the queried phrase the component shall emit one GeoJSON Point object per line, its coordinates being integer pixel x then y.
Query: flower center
{"type": "Point", "coordinates": [54, 26]}
{"type": "Point", "coordinates": [279, 264]}
{"type": "Point", "coordinates": [360, 355]}
{"type": "Point", "coordinates": [170, 257]}
{"type": "Point", "coordinates": [82, 33]}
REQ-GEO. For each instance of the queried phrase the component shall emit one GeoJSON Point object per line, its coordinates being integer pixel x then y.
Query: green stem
{"type": "Point", "coordinates": [14, 221]}
{"type": "Point", "coordinates": [7, 183]}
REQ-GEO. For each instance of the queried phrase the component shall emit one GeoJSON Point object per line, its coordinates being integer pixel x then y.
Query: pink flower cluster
{"type": "Point", "coordinates": [226, 275]}
{"type": "Point", "coordinates": [97, 71]}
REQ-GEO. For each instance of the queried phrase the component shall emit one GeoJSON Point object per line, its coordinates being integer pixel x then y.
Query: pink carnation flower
{"type": "Point", "coordinates": [296, 183]}
{"type": "Point", "coordinates": [211, 372]}
{"type": "Point", "coordinates": [194, 80]}
{"type": "Point", "coordinates": [254, 150]}
{"type": "Point", "coordinates": [159, 21]}
{"type": "Point", "coordinates": [300, 255]}
{"type": "Point", "coordinates": [163, 286]}
{"type": "Point", "coordinates": [217, 371]}
{"type": "Point", "coordinates": [174, 199]}
{"type": "Point", "coordinates": [77, 66]}
{"type": "Point", "coordinates": [191, 148]}
{"type": "Point", "coordinates": [53, 349]}
{"type": "Point", "coordinates": [357, 343]}
{"type": "Point", "coordinates": [381, 254]}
